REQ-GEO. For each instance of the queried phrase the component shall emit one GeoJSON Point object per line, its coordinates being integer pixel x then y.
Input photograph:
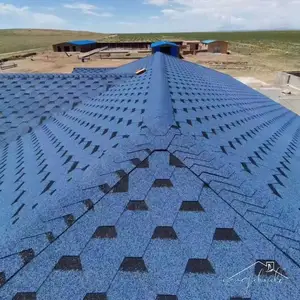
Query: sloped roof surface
{"type": "Point", "coordinates": [82, 42]}
{"type": "Point", "coordinates": [27, 100]}
{"type": "Point", "coordinates": [85, 71]}
{"type": "Point", "coordinates": [163, 43]}
{"type": "Point", "coordinates": [175, 184]}
{"type": "Point", "coordinates": [208, 41]}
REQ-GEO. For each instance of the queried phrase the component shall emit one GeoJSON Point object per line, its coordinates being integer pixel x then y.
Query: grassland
{"type": "Point", "coordinates": [277, 42]}
{"type": "Point", "coordinates": [241, 42]}
{"type": "Point", "coordinates": [13, 40]}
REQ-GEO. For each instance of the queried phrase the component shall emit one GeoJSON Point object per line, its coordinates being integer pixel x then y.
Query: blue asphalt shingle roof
{"type": "Point", "coordinates": [27, 100]}
{"type": "Point", "coordinates": [179, 182]}
{"type": "Point", "coordinates": [86, 71]}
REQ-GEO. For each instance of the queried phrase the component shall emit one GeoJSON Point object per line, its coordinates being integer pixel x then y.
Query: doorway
{"type": "Point", "coordinates": [67, 48]}
{"type": "Point", "coordinates": [217, 49]}
{"type": "Point", "coordinates": [165, 50]}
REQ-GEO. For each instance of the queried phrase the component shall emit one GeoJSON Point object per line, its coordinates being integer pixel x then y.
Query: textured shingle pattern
{"type": "Point", "coordinates": [88, 71]}
{"type": "Point", "coordinates": [211, 164]}
{"type": "Point", "coordinates": [27, 100]}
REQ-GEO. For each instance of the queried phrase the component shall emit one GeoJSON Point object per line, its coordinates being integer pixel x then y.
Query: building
{"type": "Point", "coordinates": [131, 44]}
{"type": "Point", "coordinates": [215, 46]}
{"type": "Point", "coordinates": [166, 48]}
{"type": "Point", "coordinates": [178, 183]}
{"type": "Point", "coordinates": [85, 46]}
{"type": "Point", "coordinates": [291, 78]}
{"type": "Point", "coordinates": [190, 47]}
{"type": "Point", "coordinates": [75, 46]}
{"type": "Point", "coordinates": [125, 45]}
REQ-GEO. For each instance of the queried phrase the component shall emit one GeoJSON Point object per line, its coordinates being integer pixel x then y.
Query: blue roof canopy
{"type": "Point", "coordinates": [163, 43]}
{"type": "Point", "coordinates": [82, 42]}
{"type": "Point", "coordinates": [208, 41]}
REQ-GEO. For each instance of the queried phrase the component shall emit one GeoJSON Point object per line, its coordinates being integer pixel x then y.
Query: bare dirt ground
{"type": "Point", "coordinates": [50, 62]}
{"type": "Point", "coordinates": [260, 66]}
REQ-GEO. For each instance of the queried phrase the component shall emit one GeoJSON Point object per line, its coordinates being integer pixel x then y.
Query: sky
{"type": "Point", "coordinates": [130, 16]}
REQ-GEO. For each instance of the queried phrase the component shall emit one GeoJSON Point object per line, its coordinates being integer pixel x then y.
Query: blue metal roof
{"type": "Point", "coordinates": [82, 42]}
{"type": "Point", "coordinates": [175, 184]}
{"type": "Point", "coordinates": [163, 43]}
{"type": "Point", "coordinates": [208, 41]}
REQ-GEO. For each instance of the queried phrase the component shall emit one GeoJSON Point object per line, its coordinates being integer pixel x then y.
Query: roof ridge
{"type": "Point", "coordinates": [204, 194]}
{"type": "Point", "coordinates": [160, 117]}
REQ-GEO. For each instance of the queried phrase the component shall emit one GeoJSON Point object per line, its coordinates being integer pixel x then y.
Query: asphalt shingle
{"type": "Point", "coordinates": [172, 184]}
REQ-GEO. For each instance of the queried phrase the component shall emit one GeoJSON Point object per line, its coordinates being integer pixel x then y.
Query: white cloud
{"type": "Point", "coordinates": [50, 8]}
{"type": "Point", "coordinates": [44, 19]}
{"type": "Point", "coordinates": [127, 23]}
{"type": "Point", "coordinates": [6, 9]}
{"type": "Point", "coordinates": [88, 9]}
{"type": "Point", "coordinates": [195, 15]}
{"type": "Point", "coordinates": [157, 2]}
{"type": "Point", "coordinates": [25, 17]}
{"type": "Point", "coordinates": [93, 13]}
{"type": "Point", "coordinates": [81, 6]}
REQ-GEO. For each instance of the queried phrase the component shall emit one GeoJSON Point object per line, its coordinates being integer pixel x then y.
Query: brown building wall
{"type": "Point", "coordinates": [66, 47]}
{"type": "Point", "coordinates": [194, 47]}
{"type": "Point", "coordinates": [128, 45]}
{"type": "Point", "coordinates": [218, 47]}
{"type": "Point", "coordinates": [124, 45]}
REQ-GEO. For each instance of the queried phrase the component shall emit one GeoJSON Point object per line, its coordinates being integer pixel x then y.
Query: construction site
{"type": "Point", "coordinates": [255, 70]}
{"type": "Point", "coordinates": [159, 179]}
{"type": "Point", "coordinates": [156, 167]}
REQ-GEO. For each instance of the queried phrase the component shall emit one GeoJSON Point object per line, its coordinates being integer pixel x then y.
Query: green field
{"type": "Point", "coordinates": [241, 42]}
{"type": "Point", "coordinates": [13, 40]}
{"type": "Point", "coordinates": [280, 36]}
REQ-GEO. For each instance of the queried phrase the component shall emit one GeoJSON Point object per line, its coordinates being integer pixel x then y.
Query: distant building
{"type": "Point", "coordinates": [87, 45]}
{"type": "Point", "coordinates": [166, 48]}
{"type": "Point", "coordinates": [130, 44]}
{"type": "Point", "coordinates": [75, 46]}
{"type": "Point", "coordinates": [190, 47]}
{"type": "Point", "coordinates": [214, 46]}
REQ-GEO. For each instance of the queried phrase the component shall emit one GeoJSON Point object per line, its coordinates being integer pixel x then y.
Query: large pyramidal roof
{"type": "Point", "coordinates": [180, 183]}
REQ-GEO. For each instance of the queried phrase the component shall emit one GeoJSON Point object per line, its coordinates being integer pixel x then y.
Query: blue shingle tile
{"type": "Point", "coordinates": [52, 287]}
{"type": "Point", "coordinates": [196, 231]}
{"type": "Point", "coordinates": [195, 286]}
{"type": "Point", "coordinates": [187, 185]}
{"type": "Point", "coordinates": [140, 183]}
{"type": "Point", "coordinates": [164, 204]}
{"type": "Point", "coordinates": [101, 260]}
{"type": "Point", "coordinates": [134, 229]}
{"type": "Point", "coordinates": [166, 261]}
{"type": "Point", "coordinates": [65, 139]}
{"type": "Point", "coordinates": [131, 286]}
